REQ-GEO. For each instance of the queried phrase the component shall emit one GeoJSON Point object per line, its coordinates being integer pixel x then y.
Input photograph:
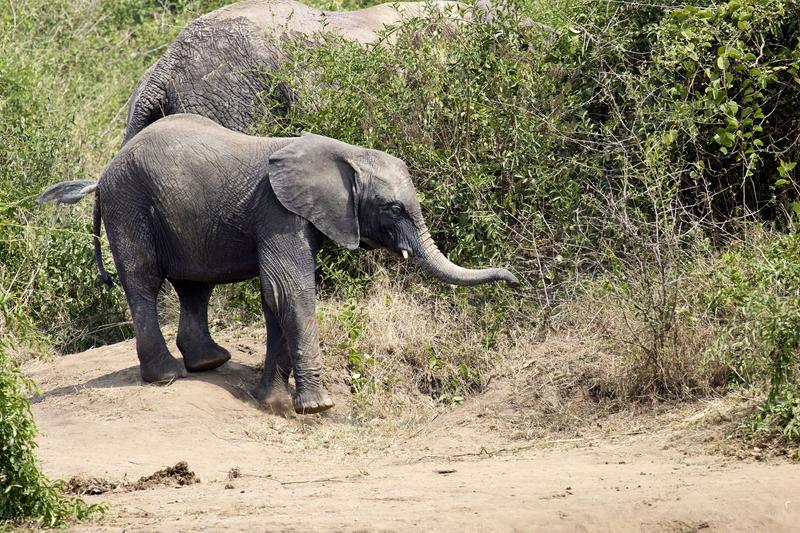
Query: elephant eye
{"type": "Point", "coordinates": [397, 209]}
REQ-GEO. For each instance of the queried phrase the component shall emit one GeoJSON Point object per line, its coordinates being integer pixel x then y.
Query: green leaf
{"type": "Point", "coordinates": [724, 138]}
{"type": "Point", "coordinates": [795, 205]}
{"type": "Point", "coordinates": [785, 168]}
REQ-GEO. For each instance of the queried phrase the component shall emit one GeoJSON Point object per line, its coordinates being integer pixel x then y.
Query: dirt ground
{"type": "Point", "coordinates": [451, 470]}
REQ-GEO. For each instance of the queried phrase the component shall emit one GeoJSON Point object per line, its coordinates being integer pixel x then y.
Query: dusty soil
{"type": "Point", "coordinates": [448, 470]}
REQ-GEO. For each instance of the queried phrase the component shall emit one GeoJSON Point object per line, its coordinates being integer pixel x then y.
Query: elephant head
{"type": "Point", "coordinates": [357, 196]}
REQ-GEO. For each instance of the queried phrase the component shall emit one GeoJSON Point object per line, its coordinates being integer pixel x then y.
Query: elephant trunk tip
{"type": "Point", "coordinates": [506, 276]}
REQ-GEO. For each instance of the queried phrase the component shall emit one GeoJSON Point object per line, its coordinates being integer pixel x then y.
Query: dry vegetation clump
{"type": "Point", "coordinates": [656, 334]}
{"type": "Point", "coordinates": [407, 354]}
{"type": "Point", "coordinates": [179, 475]}
{"type": "Point", "coordinates": [82, 486]}
{"type": "Point", "coordinates": [546, 387]}
{"type": "Point", "coordinates": [408, 357]}
{"type": "Point", "coordinates": [399, 346]}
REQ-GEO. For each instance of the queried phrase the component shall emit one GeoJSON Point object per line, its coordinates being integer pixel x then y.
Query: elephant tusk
{"type": "Point", "coordinates": [405, 254]}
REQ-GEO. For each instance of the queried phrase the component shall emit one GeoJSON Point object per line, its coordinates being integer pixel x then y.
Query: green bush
{"type": "Point", "coordinates": [456, 107]}
{"type": "Point", "coordinates": [45, 252]}
{"type": "Point", "coordinates": [26, 495]}
{"type": "Point", "coordinates": [556, 151]}
{"type": "Point", "coordinates": [757, 303]}
{"type": "Point", "coordinates": [66, 72]}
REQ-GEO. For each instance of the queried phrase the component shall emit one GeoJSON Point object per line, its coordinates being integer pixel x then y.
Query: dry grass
{"type": "Point", "coordinates": [656, 331]}
{"type": "Point", "coordinates": [427, 355]}
{"type": "Point", "coordinates": [564, 387]}
{"type": "Point", "coordinates": [400, 355]}
{"type": "Point", "coordinates": [398, 347]}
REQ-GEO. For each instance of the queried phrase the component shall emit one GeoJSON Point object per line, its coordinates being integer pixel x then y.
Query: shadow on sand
{"type": "Point", "coordinates": [236, 378]}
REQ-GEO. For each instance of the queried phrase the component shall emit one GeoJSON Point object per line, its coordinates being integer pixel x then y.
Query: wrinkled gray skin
{"type": "Point", "coordinates": [220, 63]}
{"type": "Point", "coordinates": [189, 201]}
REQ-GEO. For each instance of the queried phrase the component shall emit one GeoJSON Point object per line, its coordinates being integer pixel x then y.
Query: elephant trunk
{"type": "Point", "coordinates": [434, 261]}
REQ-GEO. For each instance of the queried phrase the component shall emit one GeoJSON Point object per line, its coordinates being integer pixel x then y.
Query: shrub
{"type": "Point", "coordinates": [61, 117]}
{"type": "Point", "coordinates": [756, 302]}
{"type": "Point", "coordinates": [556, 151]}
{"type": "Point", "coordinates": [456, 106]}
{"type": "Point", "coordinates": [703, 321]}
{"type": "Point", "coordinates": [649, 310]}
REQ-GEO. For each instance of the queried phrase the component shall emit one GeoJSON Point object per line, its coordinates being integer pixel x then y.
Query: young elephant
{"type": "Point", "coordinates": [192, 202]}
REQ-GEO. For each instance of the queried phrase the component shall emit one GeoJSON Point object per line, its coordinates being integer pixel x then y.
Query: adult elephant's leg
{"type": "Point", "coordinates": [199, 350]}
{"type": "Point", "coordinates": [274, 386]}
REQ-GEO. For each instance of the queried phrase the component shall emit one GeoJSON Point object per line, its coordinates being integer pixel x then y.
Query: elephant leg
{"type": "Point", "coordinates": [156, 364]}
{"type": "Point", "coordinates": [133, 249]}
{"type": "Point", "coordinates": [274, 386]}
{"type": "Point", "coordinates": [297, 317]}
{"type": "Point", "coordinates": [199, 350]}
{"type": "Point", "coordinates": [288, 291]}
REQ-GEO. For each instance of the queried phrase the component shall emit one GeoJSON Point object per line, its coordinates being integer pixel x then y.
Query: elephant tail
{"type": "Point", "coordinates": [67, 192]}
{"type": "Point", "coordinates": [72, 192]}
{"type": "Point", "coordinates": [98, 254]}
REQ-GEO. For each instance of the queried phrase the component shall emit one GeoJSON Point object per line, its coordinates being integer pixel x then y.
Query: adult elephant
{"type": "Point", "coordinates": [192, 202]}
{"type": "Point", "coordinates": [220, 63]}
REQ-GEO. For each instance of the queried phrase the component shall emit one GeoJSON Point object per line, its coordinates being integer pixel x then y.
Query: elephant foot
{"type": "Point", "coordinates": [275, 396]}
{"type": "Point", "coordinates": [206, 356]}
{"type": "Point", "coordinates": [311, 400]}
{"type": "Point", "coordinates": [162, 369]}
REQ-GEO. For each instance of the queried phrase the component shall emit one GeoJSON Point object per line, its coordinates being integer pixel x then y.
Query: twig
{"type": "Point", "coordinates": [482, 451]}
{"type": "Point", "coordinates": [324, 480]}
{"type": "Point", "coordinates": [13, 13]}
{"type": "Point", "coordinates": [424, 426]}
{"type": "Point", "coordinates": [487, 453]}
{"type": "Point", "coordinates": [228, 439]}
{"type": "Point", "coordinates": [302, 481]}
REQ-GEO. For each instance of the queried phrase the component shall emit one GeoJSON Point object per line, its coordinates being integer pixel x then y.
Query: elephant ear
{"type": "Point", "coordinates": [312, 178]}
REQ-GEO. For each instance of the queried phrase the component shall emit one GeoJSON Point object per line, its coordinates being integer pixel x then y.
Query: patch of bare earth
{"type": "Point", "coordinates": [533, 451]}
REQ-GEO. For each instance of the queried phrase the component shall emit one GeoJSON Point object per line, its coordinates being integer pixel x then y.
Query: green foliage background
{"type": "Point", "coordinates": [628, 145]}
